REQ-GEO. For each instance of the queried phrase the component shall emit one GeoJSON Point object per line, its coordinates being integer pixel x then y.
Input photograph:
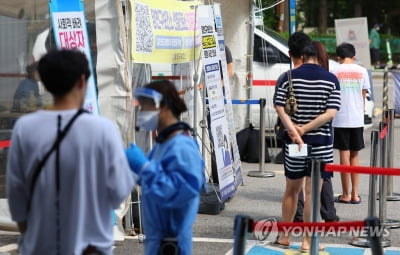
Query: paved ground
{"type": "Point", "coordinates": [261, 198]}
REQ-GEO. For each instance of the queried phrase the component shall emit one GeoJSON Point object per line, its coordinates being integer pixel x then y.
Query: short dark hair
{"type": "Point", "coordinates": [310, 51]}
{"type": "Point", "coordinates": [59, 70]}
{"type": "Point", "coordinates": [31, 68]}
{"type": "Point", "coordinates": [297, 41]}
{"type": "Point", "coordinates": [377, 26]}
{"type": "Point", "coordinates": [171, 98]}
{"type": "Point", "coordinates": [345, 50]}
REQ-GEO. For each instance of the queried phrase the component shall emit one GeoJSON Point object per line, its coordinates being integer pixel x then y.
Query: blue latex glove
{"type": "Point", "coordinates": [136, 158]}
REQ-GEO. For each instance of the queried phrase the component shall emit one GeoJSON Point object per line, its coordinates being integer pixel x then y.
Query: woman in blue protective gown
{"type": "Point", "coordinates": [171, 175]}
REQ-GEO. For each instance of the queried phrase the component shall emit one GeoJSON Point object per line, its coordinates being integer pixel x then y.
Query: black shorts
{"type": "Point", "coordinates": [374, 55]}
{"type": "Point", "coordinates": [298, 167]}
{"type": "Point", "coordinates": [345, 139]}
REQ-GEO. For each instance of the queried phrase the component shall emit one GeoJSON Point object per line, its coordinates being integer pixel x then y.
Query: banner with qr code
{"type": "Point", "coordinates": [164, 31]}
{"type": "Point", "coordinates": [236, 163]}
{"type": "Point", "coordinates": [70, 32]}
{"type": "Point", "coordinates": [219, 129]}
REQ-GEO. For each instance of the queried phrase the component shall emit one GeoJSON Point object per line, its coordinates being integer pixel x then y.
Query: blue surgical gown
{"type": "Point", "coordinates": [171, 185]}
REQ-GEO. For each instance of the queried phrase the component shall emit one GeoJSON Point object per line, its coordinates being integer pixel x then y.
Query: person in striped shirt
{"type": "Point", "coordinates": [317, 92]}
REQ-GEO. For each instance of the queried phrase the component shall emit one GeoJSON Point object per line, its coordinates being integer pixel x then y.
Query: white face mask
{"type": "Point", "coordinates": [147, 120]}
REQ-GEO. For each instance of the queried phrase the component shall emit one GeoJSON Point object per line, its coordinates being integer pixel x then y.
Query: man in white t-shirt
{"type": "Point", "coordinates": [64, 205]}
{"type": "Point", "coordinates": [349, 120]}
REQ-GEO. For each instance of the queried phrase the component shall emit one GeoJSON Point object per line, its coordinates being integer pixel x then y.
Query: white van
{"type": "Point", "coordinates": [270, 60]}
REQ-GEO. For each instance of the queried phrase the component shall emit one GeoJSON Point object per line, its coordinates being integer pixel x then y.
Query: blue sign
{"type": "Point", "coordinates": [292, 25]}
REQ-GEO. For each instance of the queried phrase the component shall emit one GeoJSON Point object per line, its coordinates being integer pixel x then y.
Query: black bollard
{"type": "Point", "coordinates": [374, 232]}
{"type": "Point", "coordinates": [243, 225]}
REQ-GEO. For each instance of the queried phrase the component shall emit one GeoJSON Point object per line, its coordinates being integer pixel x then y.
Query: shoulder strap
{"type": "Point", "coordinates": [289, 74]}
{"type": "Point", "coordinates": [55, 145]}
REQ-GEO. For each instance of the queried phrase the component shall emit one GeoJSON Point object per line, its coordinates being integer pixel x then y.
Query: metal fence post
{"type": "Point", "coordinates": [242, 226]}
{"type": "Point", "coordinates": [373, 236]}
{"type": "Point", "coordinates": [363, 241]}
{"type": "Point", "coordinates": [261, 165]}
{"type": "Point", "coordinates": [373, 178]}
{"type": "Point", "coordinates": [385, 222]}
{"type": "Point", "coordinates": [388, 118]}
{"type": "Point", "coordinates": [315, 202]}
{"type": "Point", "coordinates": [385, 89]}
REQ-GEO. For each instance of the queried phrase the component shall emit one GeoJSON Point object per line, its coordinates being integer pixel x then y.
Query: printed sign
{"type": "Point", "coordinates": [236, 163]}
{"type": "Point", "coordinates": [355, 31]}
{"type": "Point", "coordinates": [219, 128]}
{"type": "Point", "coordinates": [164, 31]}
{"type": "Point", "coordinates": [70, 32]}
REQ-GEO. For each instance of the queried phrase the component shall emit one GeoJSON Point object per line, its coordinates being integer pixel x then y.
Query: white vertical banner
{"type": "Point", "coordinates": [232, 143]}
{"type": "Point", "coordinates": [219, 128]}
{"type": "Point", "coordinates": [355, 31]}
{"type": "Point", "coordinates": [396, 79]}
{"type": "Point", "coordinates": [70, 32]}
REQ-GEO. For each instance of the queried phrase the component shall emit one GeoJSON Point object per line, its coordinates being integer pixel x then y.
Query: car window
{"type": "Point", "coordinates": [267, 53]}
{"type": "Point", "coordinates": [275, 35]}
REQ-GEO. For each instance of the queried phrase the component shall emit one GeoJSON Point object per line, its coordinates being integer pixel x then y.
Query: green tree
{"type": "Point", "coordinates": [321, 14]}
{"type": "Point", "coordinates": [271, 18]}
{"type": "Point", "coordinates": [383, 12]}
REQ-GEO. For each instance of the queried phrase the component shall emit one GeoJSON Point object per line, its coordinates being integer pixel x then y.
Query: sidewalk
{"type": "Point", "coordinates": [260, 198]}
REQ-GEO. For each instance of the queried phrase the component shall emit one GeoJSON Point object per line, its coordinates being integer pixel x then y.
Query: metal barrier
{"type": "Point", "coordinates": [385, 89]}
{"type": "Point", "coordinates": [388, 118]}
{"type": "Point", "coordinates": [262, 103]}
{"type": "Point", "coordinates": [261, 165]}
{"type": "Point", "coordinates": [129, 216]}
{"type": "Point", "coordinates": [383, 181]}
{"type": "Point", "coordinates": [363, 241]}
{"type": "Point", "coordinates": [242, 226]}
{"type": "Point", "coordinates": [374, 239]}
{"type": "Point", "coordinates": [315, 202]}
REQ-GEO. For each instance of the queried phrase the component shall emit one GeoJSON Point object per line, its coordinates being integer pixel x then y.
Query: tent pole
{"type": "Point", "coordinates": [249, 59]}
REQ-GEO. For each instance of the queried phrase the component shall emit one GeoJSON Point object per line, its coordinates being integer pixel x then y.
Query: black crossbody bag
{"type": "Point", "coordinates": [57, 142]}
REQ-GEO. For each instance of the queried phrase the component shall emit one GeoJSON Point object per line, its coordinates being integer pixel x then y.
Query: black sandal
{"type": "Point", "coordinates": [277, 244]}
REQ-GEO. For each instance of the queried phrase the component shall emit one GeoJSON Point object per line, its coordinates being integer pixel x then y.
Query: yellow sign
{"type": "Point", "coordinates": [164, 31]}
{"type": "Point", "coordinates": [208, 42]}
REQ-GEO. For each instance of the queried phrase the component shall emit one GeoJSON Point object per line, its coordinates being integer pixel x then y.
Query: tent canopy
{"type": "Point", "coordinates": [23, 8]}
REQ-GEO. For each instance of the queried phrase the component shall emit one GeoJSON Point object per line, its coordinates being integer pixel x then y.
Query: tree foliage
{"type": "Point", "coordinates": [322, 13]}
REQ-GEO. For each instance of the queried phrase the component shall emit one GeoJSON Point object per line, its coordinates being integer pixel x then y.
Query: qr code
{"type": "Point", "coordinates": [220, 136]}
{"type": "Point", "coordinates": [144, 31]}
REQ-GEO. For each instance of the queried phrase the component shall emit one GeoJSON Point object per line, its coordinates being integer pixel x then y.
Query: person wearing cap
{"type": "Point", "coordinates": [374, 45]}
{"type": "Point", "coordinates": [171, 175]}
